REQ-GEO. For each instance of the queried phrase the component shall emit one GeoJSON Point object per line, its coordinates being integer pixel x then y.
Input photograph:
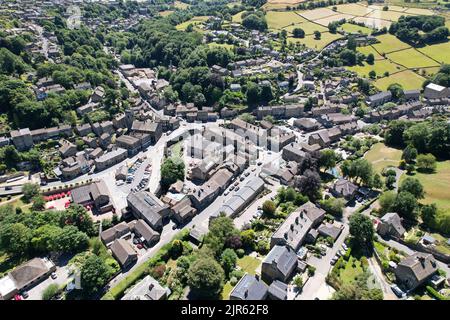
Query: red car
{"type": "Point", "coordinates": [18, 297]}
{"type": "Point", "coordinates": [139, 246]}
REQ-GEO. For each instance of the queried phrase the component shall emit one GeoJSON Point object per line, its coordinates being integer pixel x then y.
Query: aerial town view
{"type": "Point", "coordinates": [224, 150]}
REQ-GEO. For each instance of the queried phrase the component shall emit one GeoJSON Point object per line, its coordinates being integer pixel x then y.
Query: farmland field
{"type": "Point", "coordinates": [165, 13]}
{"type": "Point", "coordinates": [194, 21]}
{"type": "Point", "coordinates": [308, 27]}
{"type": "Point", "coordinates": [310, 42]}
{"type": "Point", "coordinates": [386, 15]}
{"type": "Point", "coordinates": [439, 52]}
{"type": "Point", "coordinates": [278, 20]}
{"type": "Point", "coordinates": [353, 9]}
{"type": "Point", "coordinates": [411, 58]}
{"type": "Point", "coordinates": [317, 13]}
{"type": "Point", "coordinates": [327, 20]}
{"type": "Point", "coordinates": [368, 49]}
{"type": "Point", "coordinates": [237, 17]}
{"type": "Point", "coordinates": [181, 5]}
{"type": "Point", "coordinates": [380, 67]}
{"type": "Point", "coordinates": [373, 23]}
{"type": "Point", "coordinates": [389, 43]}
{"type": "Point", "coordinates": [353, 28]}
{"type": "Point", "coordinates": [408, 79]}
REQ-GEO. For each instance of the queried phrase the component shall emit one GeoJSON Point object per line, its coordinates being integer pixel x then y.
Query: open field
{"type": "Point", "coordinates": [389, 43]}
{"type": "Point", "coordinates": [353, 9]}
{"type": "Point", "coordinates": [317, 13]}
{"type": "Point", "coordinates": [436, 185]}
{"type": "Point", "coordinates": [249, 264]}
{"type": "Point", "coordinates": [380, 67]}
{"type": "Point", "coordinates": [439, 52]}
{"type": "Point", "coordinates": [353, 28]}
{"type": "Point", "coordinates": [165, 13]}
{"type": "Point", "coordinates": [308, 27]}
{"type": "Point", "coordinates": [382, 156]}
{"type": "Point", "coordinates": [411, 58]}
{"type": "Point", "coordinates": [408, 79]}
{"type": "Point", "coordinates": [278, 20]}
{"type": "Point", "coordinates": [310, 42]}
{"type": "Point", "coordinates": [327, 20]}
{"type": "Point", "coordinates": [194, 21]}
{"type": "Point", "coordinates": [368, 49]}
{"type": "Point", "coordinates": [386, 15]}
{"type": "Point", "coordinates": [419, 11]}
{"type": "Point", "coordinates": [181, 5]}
{"type": "Point", "coordinates": [237, 17]}
{"type": "Point", "coordinates": [373, 23]}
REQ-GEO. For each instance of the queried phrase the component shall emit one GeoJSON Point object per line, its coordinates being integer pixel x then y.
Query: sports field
{"type": "Point", "coordinates": [407, 79]}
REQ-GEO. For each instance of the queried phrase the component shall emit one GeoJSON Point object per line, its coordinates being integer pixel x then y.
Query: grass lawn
{"type": "Point", "coordinates": [280, 19]}
{"type": "Point", "coordinates": [382, 156]}
{"type": "Point", "coordinates": [227, 288]}
{"type": "Point", "coordinates": [353, 28]}
{"type": "Point", "coordinates": [379, 66]}
{"type": "Point", "coordinates": [249, 264]}
{"type": "Point", "coordinates": [408, 79]}
{"type": "Point", "coordinates": [411, 58]}
{"type": "Point", "coordinates": [436, 185]}
{"type": "Point", "coordinates": [389, 43]}
{"type": "Point", "coordinates": [310, 42]}
{"type": "Point", "coordinates": [194, 21]}
{"type": "Point", "coordinates": [350, 272]}
{"type": "Point", "coordinates": [308, 27]}
{"type": "Point", "coordinates": [439, 52]}
{"type": "Point", "coordinates": [165, 13]}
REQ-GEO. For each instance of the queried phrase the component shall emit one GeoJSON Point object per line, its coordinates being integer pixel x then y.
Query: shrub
{"type": "Point", "coordinates": [50, 292]}
{"type": "Point", "coordinates": [240, 252]}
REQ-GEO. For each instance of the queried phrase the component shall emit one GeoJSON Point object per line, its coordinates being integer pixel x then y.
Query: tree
{"type": "Point", "coordinates": [328, 159]}
{"type": "Point", "coordinates": [171, 171]}
{"type": "Point", "coordinates": [372, 74]}
{"type": "Point", "coordinates": [426, 162]}
{"type": "Point", "coordinates": [94, 275]}
{"type": "Point", "coordinates": [361, 229]}
{"type": "Point", "coordinates": [413, 186]}
{"type": "Point", "coordinates": [38, 203]}
{"type": "Point", "coordinates": [405, 205]}
{"type": "Point", "coordinates": [396, 91]}
{"type": "Point", "coordinates": [269, 208]}
{"type": "Point", "coordinates": [220, 230]}
{"type": "Point", "coordinates": [50, 292]}
{"type": "Point", "coordinates": [298, 281]}
{"type": "Point", "coordinates": [248, 238]}
{"type": "Point", "coordinates": [298, 33]}
{"type": "Point", "coordinates": [333, 206]}
{"type": "Point", "coordinates": [77, 216]}
{"type": "Point", "coordinates": [386, 201]}
{"type": "Point", "coordinates": [30, 190]}
{"type": "Point", "coordinates": [205, 277]}
{"type": "Point", "coordinates": [309, 184]}
{"type": "Point", "coordinates": [370, 58]}
{"type": "Point", "coordinates": [409, 154]}
{"type": "Point", "coordinates": [15, 238]}
{"type": "Point", "coordinates": [377, 183]}
{"type": "Point", "coordinates": [228, 260]}
{"type": "Point", "coordinates": [45, 238]}
{"type": "Point", "coordinates": [71, 239]}
{"type": "Point", "coordinates": [348, 57]}
{"type": "Point", "coordinates": [428, 214]}
{"type": "Point", "coordinates": [317, 35]}
{"type": "Point", "coordinates": [390, 182]}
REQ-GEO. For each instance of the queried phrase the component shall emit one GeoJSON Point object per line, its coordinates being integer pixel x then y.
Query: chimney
{"type": "Point", "coordinates": [151, 286]}
{"type": "Point", "coordinates": [246, 293]}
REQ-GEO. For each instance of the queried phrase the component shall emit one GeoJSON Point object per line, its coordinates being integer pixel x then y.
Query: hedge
{"type": "Point", "coordinates": [141, 271]}
{"type": "Point", "coordinates": [436, 294]}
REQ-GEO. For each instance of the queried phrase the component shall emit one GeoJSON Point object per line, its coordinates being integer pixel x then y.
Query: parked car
{"type": "Point", "coordinates": [334, 260]}
{"type": "Point", "coordinates": [397, 291]}
{"type": "Point", "coordinates": [25, 294]}
{"type": "Point", "coordinates": [53, 275]}
{"type": "Point", "coordinates": [344, 246]}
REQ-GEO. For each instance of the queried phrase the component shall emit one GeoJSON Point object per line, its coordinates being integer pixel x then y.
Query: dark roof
{"type": "Point", "coordinates": [421, 264]}
{"type": "Point", "coordinates": [250, 288]}
{"type": "Point", "coordinates": [278, 290]}
{"type": "Point", "coordinates": [284, 258]}
{"type": "Point", "coordinates": [145, 230]}
{"type": "Point", "coordinates": [122, 250]}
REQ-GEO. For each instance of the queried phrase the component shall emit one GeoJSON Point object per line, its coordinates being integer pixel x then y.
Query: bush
{"type": "Point", "coordinates": [311, 270]}
{"type": "Point", "coordinates": [436, 294]}
{"type": "Point", "coordinates": [240, 252]}
{"type": "Point", "coordinates": [50, 292]}
{"type": "Point", "coordinates": [233, 281]}
{"type": "Point", "coordinates": [238, 274]}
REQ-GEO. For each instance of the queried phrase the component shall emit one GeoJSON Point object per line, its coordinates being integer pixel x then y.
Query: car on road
{"type": "Point", "coordinates": [53, 275]}
{"type": "Point", "coordinates": [397, 291]}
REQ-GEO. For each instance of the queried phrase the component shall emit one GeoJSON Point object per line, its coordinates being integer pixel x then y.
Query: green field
{"type": "Point", "coordinates": [196, 22]}
{"type": "Point", "coordinates": [353, 8]}
{"type": "Point", "coordinates": [222, 45]}
{"type": "Point", "coordinates": [439, 52]}
{"type": "Point", "coordinates": [249, 264]}
{"type": "Point", "coordinates": [181, 5]}
{"type": "Point", "coordinates": [310, 42]}
{"type": "Point", "coordinates": [411, 58]}
{"type": "Point", "coordinates": [380, 67]}
{"type": "Point", "coordinates": [368, 49]}
{"type": "Point", "coordinates": [353, 28]}
{"type": "Point", "coordinates": [381, 156]}
{"type": "Point", "coordinates": [389, 43]}
{"type": "Point", "coordinates": [237, 18]}
{"type": "Point", "coordinates": [308, 27]}
{"type": "Point", "coordinates": [408, 79]}
{"type": "Point", "coordinates": [279, 19]}
{"type": "Point", "coordinates": [349, 273]}
{"type": "Point", "coordinates": [165, 13]}
{"type": "Point", "coordinates": [436, 185]}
